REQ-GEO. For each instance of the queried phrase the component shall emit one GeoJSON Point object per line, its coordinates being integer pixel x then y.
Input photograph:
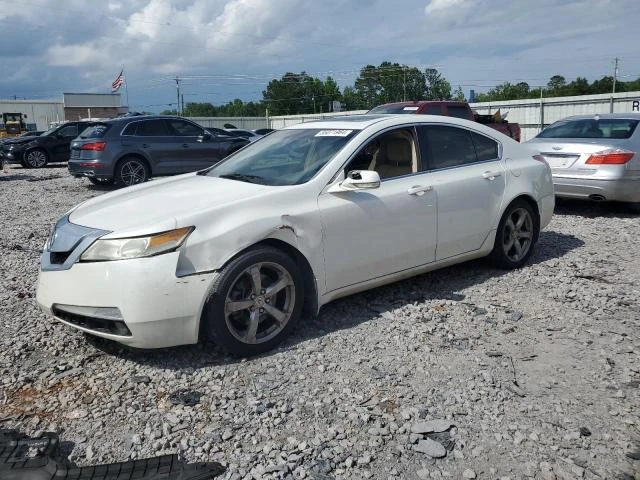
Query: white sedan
{"type": "Point", "coordinates": [310, 213]}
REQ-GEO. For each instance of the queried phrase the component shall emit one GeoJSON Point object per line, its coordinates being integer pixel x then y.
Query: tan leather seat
{"type": "Point", "coordinates": [397, 158]}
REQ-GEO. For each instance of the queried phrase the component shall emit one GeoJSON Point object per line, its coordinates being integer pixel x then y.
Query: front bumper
{"type": "Point", "coordinates": [620, 190]}
{"type": "Point", "coordinates": [13, 156]}
{"type": "Point", "coordinates": [158, 308]}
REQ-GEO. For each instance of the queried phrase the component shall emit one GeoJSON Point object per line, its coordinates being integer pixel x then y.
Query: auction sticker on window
{"type": "Point", "coordinates": [411, 109]}
{"type": "Point", "coordinates": [333, 133]}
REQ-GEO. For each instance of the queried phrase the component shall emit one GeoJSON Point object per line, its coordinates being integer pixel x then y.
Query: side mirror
{"type": "Point", "coordinates": [357, 180]}
{"type": "Point", "coordinates": [205, 137]}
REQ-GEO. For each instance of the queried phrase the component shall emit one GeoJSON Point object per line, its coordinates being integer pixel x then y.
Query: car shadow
{"type": "Point", "coordinates": [588, 209]}
{"type": "Point", "coordinates": [10, 177]}
{"type": "Point", "coordinates": [348, 312]}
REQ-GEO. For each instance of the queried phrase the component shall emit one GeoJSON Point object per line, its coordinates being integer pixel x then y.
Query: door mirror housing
{"type": "Point", "coordinates": [205, 137]}
{"type": "Point", "coordinates": [357, 180]}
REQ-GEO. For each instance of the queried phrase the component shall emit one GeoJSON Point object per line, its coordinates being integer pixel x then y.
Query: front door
{"type": "Point", "coordinates": [468, 178]}
{"type": "Point", "coordinates": [376, 232]}
{"type": "Point", "coordinates": [61, 148]}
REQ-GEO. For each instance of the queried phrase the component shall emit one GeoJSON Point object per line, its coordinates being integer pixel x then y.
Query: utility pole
{"type": "Point", "coordinates": [615, 77]}
{"type": "Point", "coordinates": [178, 103]}
{"type": "Point", "coordinates": [182, 100]}
{"type": "Point", "coordinates": [404, 83]}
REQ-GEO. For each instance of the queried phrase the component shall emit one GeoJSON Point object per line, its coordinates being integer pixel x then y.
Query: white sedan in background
{"type": "Point", "coordinates": [310, 213]}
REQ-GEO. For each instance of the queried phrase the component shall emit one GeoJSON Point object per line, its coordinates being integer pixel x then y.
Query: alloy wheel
{"type": "Point", "coordinates": [259, 303]}
{"type": "Point", "coordinates": [517, 235]}
{"type": "Point", "coordinates": [133, 172]}
{"type": "Point", "coordinates": [36, 159]}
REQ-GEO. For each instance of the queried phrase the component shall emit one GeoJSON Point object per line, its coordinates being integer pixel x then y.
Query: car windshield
{"type": "Point", "coordinates": [285, 157]}
{"type": "Point", "coordinates": [395, 109]}
{"type": "Point", "coordinates": [51, 130]}
{"type": "Point", "coordinates": [591, 128]}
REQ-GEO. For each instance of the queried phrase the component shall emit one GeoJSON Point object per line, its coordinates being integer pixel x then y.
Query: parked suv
{"type": "Point", "coordinates": [129, 150]}
{"type": "Point", "coordinates": [36, 151]}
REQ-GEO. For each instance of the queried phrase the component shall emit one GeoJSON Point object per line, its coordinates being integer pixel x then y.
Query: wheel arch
{"type": "Point", "coordinates": [310, 306]}
{"type": "Point", "coordinates": [534, 206]}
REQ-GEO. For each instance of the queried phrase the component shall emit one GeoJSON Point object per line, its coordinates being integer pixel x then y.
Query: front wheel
{"type": "Point", "coordinates": [256, 301]}
{"type": "Point", "coordinates": [516, 235]}
{"type": "Point", "coordinates": [131, 171]}
{"type": "Point", "coordinates": [36, 158]}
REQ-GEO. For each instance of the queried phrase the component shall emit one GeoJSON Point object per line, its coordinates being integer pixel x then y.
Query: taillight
{"type": "Point", "coordinates": [95, 146]}
{"type": "Point", "coordinates": [613, 156]}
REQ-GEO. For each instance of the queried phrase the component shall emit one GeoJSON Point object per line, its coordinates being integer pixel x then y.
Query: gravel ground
{"type": "Point", "coordinates": [462, 373]}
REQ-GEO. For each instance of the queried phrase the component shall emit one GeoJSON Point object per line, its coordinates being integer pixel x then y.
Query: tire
{"type": "Point", "coordinates": [634, 207]}
{"type": "Point", "coordinates": [236, 288]}
{"type": "Point", "coordinates": [516, 236]}
{"type": "Point", "coordinates": [101, 181]}
{"type": "Point", "coordinates": [36, 158]}
{"type": "Point", "coordinates": [131, 171]}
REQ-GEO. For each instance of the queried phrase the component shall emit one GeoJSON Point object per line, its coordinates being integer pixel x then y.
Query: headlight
{"type": "Point", "coordinates": [11, 147]}
{"type": "Point", "coordinates": [136, 247]}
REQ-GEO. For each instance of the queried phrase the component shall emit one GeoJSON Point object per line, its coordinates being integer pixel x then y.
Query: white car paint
{"type": "Point", "coordinates": [352, 240]}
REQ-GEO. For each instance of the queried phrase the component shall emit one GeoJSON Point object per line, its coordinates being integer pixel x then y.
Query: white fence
{"type": "Point", "coordinates": [532, 114]}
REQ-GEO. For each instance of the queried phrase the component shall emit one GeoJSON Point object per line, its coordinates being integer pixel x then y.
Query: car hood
{"type": "Point", "coordinates": [161, 205]}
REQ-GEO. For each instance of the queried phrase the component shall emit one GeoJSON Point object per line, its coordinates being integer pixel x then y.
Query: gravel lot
{"type": "Point", "coordinates": [532, 374]}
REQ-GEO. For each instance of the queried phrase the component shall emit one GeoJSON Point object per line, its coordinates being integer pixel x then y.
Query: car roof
{"type": "Point", "coordinates": [620, 116]}
{"type": "Point", "coordinates": [360, 122]}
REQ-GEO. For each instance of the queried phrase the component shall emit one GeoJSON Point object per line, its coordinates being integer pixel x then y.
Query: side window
{"type": "Point", "coordinates": [151, 128]}
{"type": "Point", "coordinates": [433, 110]}
{"type": "Point", "coordinates": [391, 154]}
{"type": "Point", "coordinates": [446, 147]}
{"type": "Point", "coordinates": [69, 131]}
{"type": "Point", "coordinates": [183, 129]}
{"type": "Point", "coordinates": [130, 129]}
{"type": "Point", "coordinates": [486, 148]}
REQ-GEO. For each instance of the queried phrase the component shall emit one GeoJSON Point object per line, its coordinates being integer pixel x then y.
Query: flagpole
{"type": "Point", "coordinates": [126, 89]}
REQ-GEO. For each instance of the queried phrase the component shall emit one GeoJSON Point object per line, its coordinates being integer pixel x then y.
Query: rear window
{"type": "Point", "coordinates": [591, 128]}
{"type": "Point", "coordinates": [95, 131]}
{"type": "Point", "coordinates": [458, 111]}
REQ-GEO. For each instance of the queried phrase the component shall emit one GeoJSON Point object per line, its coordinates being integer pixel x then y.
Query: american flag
{"type": "Point", "coordinates": [117, 83]}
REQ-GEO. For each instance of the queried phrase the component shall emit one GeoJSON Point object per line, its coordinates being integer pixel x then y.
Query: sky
{"type": "Point", "coordinates": [226, 49]}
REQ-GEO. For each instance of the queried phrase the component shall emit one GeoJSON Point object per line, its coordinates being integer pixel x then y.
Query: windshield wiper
{"type": "Point", "coordinates": [243, 177]}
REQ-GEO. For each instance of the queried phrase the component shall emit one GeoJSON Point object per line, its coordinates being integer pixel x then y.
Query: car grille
{"type": "Point", "coordinates": [58, 258]}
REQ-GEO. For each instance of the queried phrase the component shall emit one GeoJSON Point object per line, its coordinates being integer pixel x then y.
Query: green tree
{"type": "Point", "coordinates": [438, 88]}
{"type": "Point", "coordinates": [458, 95]}
{"type": "Point", "coordinates": [555, 85]}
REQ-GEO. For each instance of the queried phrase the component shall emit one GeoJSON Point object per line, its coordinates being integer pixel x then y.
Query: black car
{"type": "Point", "coordinates": [36, 151]}
{"type": "Point", "coordinates": [129, 150]}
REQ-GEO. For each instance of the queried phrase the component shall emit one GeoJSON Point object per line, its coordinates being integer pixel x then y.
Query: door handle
{"type": "Point", "coordinates": [491, 175]}
{"type": "Point", "coordinates": [419, 190]}
{"type": "Point", "coordinates": [185, 145]}
{"type": "Point", "coordinates": [144, 145]}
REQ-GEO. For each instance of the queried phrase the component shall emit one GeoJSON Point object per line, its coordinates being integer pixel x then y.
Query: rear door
{"type": "Point", "coordinates": [151, 139]}
{"type": "Point", "coordinates": [468, 177]}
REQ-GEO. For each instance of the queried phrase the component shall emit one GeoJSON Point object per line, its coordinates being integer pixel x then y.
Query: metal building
{"type": "Point", "coordinates": [40, 113]}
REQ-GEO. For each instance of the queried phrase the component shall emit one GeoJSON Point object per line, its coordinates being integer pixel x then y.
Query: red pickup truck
{"type": "Point", "coordinates": [451, 109]}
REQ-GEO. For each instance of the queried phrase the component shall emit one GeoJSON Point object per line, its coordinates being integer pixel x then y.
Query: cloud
{"type": "Point", "coordinates": [237, 46]}
{"type": "Point", "coordinates": [440, 6]}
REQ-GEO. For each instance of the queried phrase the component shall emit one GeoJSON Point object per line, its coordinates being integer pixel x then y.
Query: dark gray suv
{"type": "Point", "coordinates": [130, 150]}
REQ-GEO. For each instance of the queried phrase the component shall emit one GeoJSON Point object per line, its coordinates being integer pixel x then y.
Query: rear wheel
{"type": "Point", "coordinates": [255, 303]}
{"type": "Point", "coordinates": [131, 171]}
{"type": "Point", "coordinates": [36, 158]}
{"type": "Point", "coordinates": [517, 233]}
{"type": "Point", "coordinates": [101, 181]}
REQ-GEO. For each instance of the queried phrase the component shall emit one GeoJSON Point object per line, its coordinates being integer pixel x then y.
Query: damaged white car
{"type": "Point", "coordinates": [308, 214]}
